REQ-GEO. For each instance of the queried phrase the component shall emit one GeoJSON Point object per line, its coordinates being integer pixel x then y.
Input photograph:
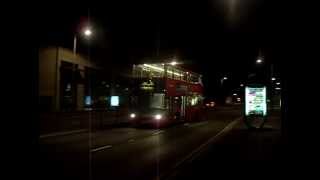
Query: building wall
{"type": "Point", "coordinates": [48, 63]}
{"type": "Point", "coordinates": [47, 72]}
{"type": "Point", "coordinates": [68, 56]}
{"type": "Point", "coordinates": [49, 75]}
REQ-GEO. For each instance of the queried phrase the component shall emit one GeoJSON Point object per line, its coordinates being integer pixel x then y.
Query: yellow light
{"type": "Point", "coordinates": [173, 63]}
{"type": "Point", "coordinates": [259, 61]}
{"type": "Point", "coordinates": [87, 32]}
{"type": "Point", "coordinates": [158, 116]}
{"type": "Point", "coordinates": [160, 69]}
{"type": "Point", "coordinates": [194, 101]}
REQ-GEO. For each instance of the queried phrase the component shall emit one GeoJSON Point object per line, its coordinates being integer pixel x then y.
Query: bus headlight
{"type": "Point", "coordinates": [158, 116]}
{"type": "Point", "coordinates": [132, 115]}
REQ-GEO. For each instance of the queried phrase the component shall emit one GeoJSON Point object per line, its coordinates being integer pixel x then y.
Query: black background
{"type": "Point", "coordinates": [292, 38]}
{"type": "Point", "coordinates": [214, 38]}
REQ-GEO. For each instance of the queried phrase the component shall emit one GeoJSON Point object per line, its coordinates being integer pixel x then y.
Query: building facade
{"type": "Point", "coordinates": [64, 79]}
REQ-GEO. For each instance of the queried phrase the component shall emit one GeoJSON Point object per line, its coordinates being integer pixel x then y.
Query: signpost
{"type": "Point", "coordinates": [255, 105]}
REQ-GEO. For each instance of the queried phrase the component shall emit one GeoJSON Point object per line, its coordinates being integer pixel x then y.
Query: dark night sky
{"type": "Point", "coordinates": [220, 37]}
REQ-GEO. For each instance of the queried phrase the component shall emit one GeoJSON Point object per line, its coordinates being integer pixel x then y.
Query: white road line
{"type": "Point", "coordinates": [198, 124]}
{"type": "Point", "coordinates": [63, 133]}
{"type": "Point", "coordinates": [191, 156]}
{"type": "Point", "coordinates": [101, 148]}
{"type": "Point", "coordinates": [158, 132]}
{"type": "Point", "coordinates": [211, 140]}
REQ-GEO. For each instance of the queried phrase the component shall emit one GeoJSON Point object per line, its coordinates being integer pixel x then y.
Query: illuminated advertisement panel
{"type": "Point", "coordinates": [114, 101]}
{"type": "Point", "coordinates": [256, 101]}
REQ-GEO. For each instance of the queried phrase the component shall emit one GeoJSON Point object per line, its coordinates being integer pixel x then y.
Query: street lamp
{"type": "Point", "coordinates": [173, 63]}
{"type": "Point", "coordinates": [259, 61]}
{"type": "Point", "coordinates": [259, 58]}
{"type": "Point", "coordinates": [273, 79]}
{"type": "Point", "coordinates": [241, 85]}
{"type": "Point", "coordinates": [223, 79]}
{"type": "Point", "coordinates": [87, 33]}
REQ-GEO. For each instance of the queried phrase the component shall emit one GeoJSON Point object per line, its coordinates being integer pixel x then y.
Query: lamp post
{"type": "Point", "coordinates": [223, 79]}
{"type": "Point", "coordinates": [87, 33]}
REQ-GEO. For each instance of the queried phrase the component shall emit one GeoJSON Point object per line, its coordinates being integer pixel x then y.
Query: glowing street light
{"type": "Point", "coordinates": [241, 85]}
{"type": "Point", "coordinates": [223, 79]}
{"type": "Point", "coordinates": [259, 57]}
{"type": "Point", "coordinates": [87, 32]}
{"type": "Point", "coordinates": [173, 63]}
{"type": "Point", "coordinates": [235, 94]}
{"type": "Point", "coordinates": [278, 83]}
{"type": "Point", "coordinates": [273, 79]}
{"type": "Point", "coordinates": [259, 61]}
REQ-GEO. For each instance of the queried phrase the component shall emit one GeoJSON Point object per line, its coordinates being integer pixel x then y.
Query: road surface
{"type": "Point", "coordinates": [240, 153]}
{"type": "Point", "coordinates": [128, 153]}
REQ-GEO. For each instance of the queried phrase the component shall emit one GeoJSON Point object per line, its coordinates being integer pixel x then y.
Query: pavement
{"type": "Point", "coordinates": [61, 123]}
{"type": "Point", "coordinates": [128, 153]}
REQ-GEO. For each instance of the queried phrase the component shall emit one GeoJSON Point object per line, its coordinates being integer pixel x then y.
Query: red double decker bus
{"type": "Point", "coordinates": [163, 94]}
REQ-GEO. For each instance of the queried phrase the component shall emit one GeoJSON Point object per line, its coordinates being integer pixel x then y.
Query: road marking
{"type": "Point", "coordinates": [155, 131]}
{"type": "Point", "coordinates": [130, 140]}
{"type": "Point", "coordinates": [198, 124]}
{"type": "Point", "coordinates": [101, 148]}
{"type": "Point", "coordinates": [191, 156]}
{"type": "Point", "coordinates": [158, 132]}
{"type": "Point", "coordinates": [215, 138]}
{"type": "Point", "coordinates": [62, 133]}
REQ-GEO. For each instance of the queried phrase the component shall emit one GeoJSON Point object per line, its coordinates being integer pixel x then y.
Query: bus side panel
{"type": "Point", "coordinates": [192, 113]}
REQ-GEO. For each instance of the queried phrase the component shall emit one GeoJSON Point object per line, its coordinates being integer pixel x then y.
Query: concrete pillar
{"type": "Point", "coordinates": [57, 81]}
{"type": "Point", "coordinates": [80, 90]}
{"type": "Point", "coordinates": [80, 97]}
